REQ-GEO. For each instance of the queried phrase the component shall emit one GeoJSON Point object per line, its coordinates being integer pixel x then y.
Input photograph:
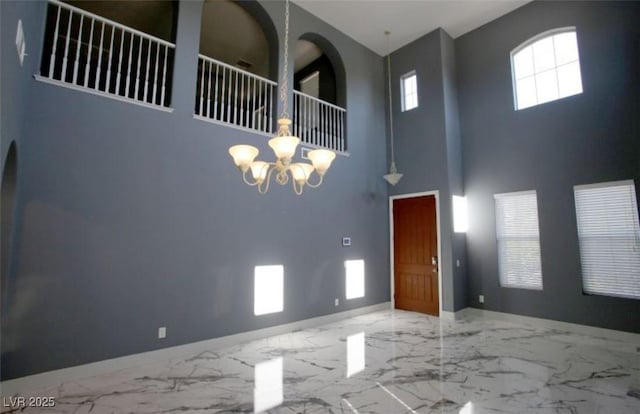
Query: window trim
{"type": "Point", "coordinates": [529, 42]}
{"type": "Point", "coordinates": [403, 105]}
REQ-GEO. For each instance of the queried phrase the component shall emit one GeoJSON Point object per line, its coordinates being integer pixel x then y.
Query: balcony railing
{"type": "Point", "coordinates": [89, 51]}
{"type": "Point", "coordinates": [318, 123]}
{"type": "Point", "coordinates": [234, 96]}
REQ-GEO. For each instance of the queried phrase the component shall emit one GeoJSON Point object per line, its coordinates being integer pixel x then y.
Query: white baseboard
{"type": "Point", "coordinates": [30, 383]}
{"type": "Point", "coordinates": [549, 323]}
{"type": "Point", "coordinates": [451, 316]}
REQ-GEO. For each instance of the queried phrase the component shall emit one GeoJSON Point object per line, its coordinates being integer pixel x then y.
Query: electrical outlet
{"type": "Point", "coordinates": [458, 263]}
{"type": "Point", "coordinates": [336, 302]}
{"type": "Point", "coordinates": [346, 241]}
{"type": "Point", "coordinates": [481, 298]}
{"type": "Point", "coordinates": [162, 332]}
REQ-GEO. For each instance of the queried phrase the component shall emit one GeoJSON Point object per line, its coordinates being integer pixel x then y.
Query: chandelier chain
{"type": "Point", "coordinates": [285, 70]}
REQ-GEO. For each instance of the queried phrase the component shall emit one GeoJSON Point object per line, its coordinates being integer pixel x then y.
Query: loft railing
{"type": "Point", "coordinates": [318, 123]}
{"type": "Point", "coordinates": [234, 96]}
{"type": "Point", "coordinates": [89, 51]}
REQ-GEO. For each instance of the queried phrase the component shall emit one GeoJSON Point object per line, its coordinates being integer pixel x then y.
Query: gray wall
{"type": "Point", "coordinates": [588, 138]}
{"type": "Point", "coordinates": [135, 218]}
{"type": "Point", "coordinates": [427, 146]}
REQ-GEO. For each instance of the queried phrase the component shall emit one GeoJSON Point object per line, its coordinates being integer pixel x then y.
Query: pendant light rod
{"type": "Point", "coordinates": [393, 158]}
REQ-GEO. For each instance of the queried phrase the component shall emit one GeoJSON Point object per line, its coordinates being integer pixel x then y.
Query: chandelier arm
{"type": "Point", "coordinates": [244, 178]}
{"type": "Point", "coordinates": [316, 185]}
{"type": "Point", "coordinates": [263, 188]}
{"type": "Point", "coordinates": [295, 189]}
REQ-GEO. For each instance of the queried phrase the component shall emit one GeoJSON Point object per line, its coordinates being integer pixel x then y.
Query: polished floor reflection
{"type": "Point", "coordinates": [384, 362]}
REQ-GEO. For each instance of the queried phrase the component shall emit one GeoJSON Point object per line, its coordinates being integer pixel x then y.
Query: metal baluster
{"type": "Point", "coordinates": [209, 91]}
{"type": "Point", "coordinates": [253, 106]}
{"type": "Point", "coordinates": [235, 101]}
{"type": "Point", "coordinates": [215, 98]}
{"type": "Point", "coordinates": [229, 96]}
{"type": "Point", "coordinates": [342, 134]}
{"type": "Point", "coordinates": [97, 85]}
{"type": "Point", "coordinates": [87, 67]}
{"type": "Point", "coordinates": [201, 61]}
{"type": "Point", "coordinates": [242, 100]}
{"type": "Point", "coordinates": [146, 75]}
{"type": "Point", "coordinates": [222, 102]}
{"type": "Point", "coordinates": [155, 74]}
{"type": "Point", "coordinates": [270, 102]}
{"type": "Point", "coordinates": [108, 84]}
{"type": "Point", "coordinates": [137, 89]}
{"type": "Point", "coordinates": [63, 75]}
{"type": "Point", "coordinates": [78, 45]}
{"type": "Point", "coordinates": [164, 74]}
{"type": "Point", "coordinates": [52, 61]}
{"type": "Point", "coordinates": [122, 33]}
{"type": "Point", "coordinates": [131, 40]}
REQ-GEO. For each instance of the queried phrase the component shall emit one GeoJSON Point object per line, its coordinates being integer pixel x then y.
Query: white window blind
{"type": "Point", "coordinates": [609, 235]}
{"type": "Point", "coordinates": [518, 240]}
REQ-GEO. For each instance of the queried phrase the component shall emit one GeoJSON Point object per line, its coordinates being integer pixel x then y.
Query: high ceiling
{"type": "Point", "coordinates": [366, 20]}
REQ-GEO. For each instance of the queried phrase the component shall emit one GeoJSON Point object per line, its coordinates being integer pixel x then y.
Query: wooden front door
{"type": "Point", "coordinates": [415, 254]}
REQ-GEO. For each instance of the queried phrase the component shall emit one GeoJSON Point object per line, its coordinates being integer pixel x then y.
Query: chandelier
{"type": "Point", "coordinates": [284, 146]}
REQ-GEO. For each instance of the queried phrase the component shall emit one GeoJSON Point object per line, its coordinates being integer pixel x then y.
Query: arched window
{"type": "Point", "coordinates": [545, 68]}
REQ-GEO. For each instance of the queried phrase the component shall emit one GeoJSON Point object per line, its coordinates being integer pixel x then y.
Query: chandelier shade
{"type": "Point", "coordinates": [243, 156]}
{"type": "Point", "coordinates": [321, 160]}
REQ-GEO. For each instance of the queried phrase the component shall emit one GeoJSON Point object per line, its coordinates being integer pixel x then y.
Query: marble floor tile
{"type": "Point", "coordinates": [384, 362]}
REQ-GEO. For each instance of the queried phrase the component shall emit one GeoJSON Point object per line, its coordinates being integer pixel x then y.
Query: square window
{"type": "Point", "coordinates": [354, 274]}
{"type": "Point", "coordinates": [409, 89]}
{"type": "Point", "coordinates": [268, 289]}
{"type": "Point", "coordinates": [460, 214]}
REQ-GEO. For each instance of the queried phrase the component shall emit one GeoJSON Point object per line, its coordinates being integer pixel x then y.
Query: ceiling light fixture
{"type": "Point", "coordinates": [284, 146]}
{"type": "Point", "coordinates": [394, 176]}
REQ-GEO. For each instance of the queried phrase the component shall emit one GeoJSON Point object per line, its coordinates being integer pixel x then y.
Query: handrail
{"type": "Point", "coordinates": [320, 101]}
{"type": "Point", "coordinates": [111, 22]}
{"type": "Point", "coordinates": [228, 66]}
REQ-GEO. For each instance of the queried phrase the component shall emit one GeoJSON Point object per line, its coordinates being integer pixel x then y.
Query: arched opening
{"type": "Point", "coordinates": [237, 65]}
{"type": "Point", "coordinates": [8, 207]}
{"type": "Point", "coordinates": [319, 93]}
{"type": "Point", "coordinates": [123, 47]}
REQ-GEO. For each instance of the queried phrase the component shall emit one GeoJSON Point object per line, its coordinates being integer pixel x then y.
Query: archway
{"type": "Point", "coordinates": [8, 199]}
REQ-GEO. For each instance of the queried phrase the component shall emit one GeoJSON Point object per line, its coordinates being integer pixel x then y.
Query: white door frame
{"type": "Point", "coordinates": [435, 193]}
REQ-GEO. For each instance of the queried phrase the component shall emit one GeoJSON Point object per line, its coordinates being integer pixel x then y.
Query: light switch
{"type": "Point", "coordinates": [346, 241]}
